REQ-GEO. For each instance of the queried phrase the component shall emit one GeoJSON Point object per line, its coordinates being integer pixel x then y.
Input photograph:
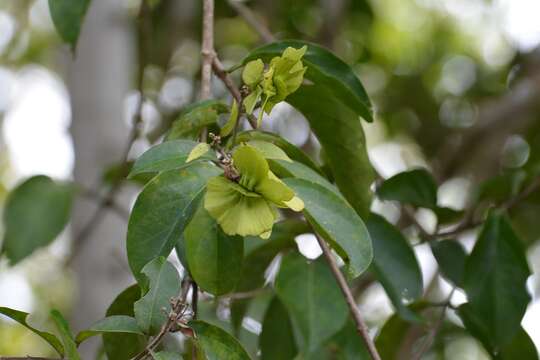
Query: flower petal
{"type": "Point", "coordinates": [275, 191]}
{"type": "Point", "coordinates": [295, 204]}
{"type": "Point", "coordinates": [252, 166]}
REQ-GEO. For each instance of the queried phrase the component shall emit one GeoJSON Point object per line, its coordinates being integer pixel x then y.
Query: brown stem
{"type": "Point", "coordinates": [207, 49]}
{"type": "Point", "coordinates": [361, 326]}
{"type": "Point", "coordinates": [220, 72]}
{"type": "Point", "coordinates": [252, 21]}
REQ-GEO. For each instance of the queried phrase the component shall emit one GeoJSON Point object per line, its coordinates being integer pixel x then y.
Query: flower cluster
{"type": "Point", "coordinates": [283, 76]}
{"type": "Point", "coordinates": [247, 204]}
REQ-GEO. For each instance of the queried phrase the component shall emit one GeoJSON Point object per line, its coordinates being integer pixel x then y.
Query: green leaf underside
{"type": "Point", "coordinates": [292, 151]}
{"type": "Point", "coordinates": [161, 212]}
{"type": "Point", "coordinates": [123, 346]}
{"type": "Point", "coordinates": [164, 284]}
{"type": "Point", "coordinates": [67, 16]}
{"type": "Point", "coordinates": [495, 280]}
{"type": "Point", "coordinates": [214, 258]}
{"type": "Point", "coordinates": [216, 343]}
{"type": "Point", "coordinates": [520, 346]}
{"type": "Point", "coordinates": [395, 265]}
{"type": "Point", "coordinates": [20, 317]}
{"type": "Point", "coordinates": [111, 324]}
{"type": "Point", "coordinates": [323, 69]}
{"type": "Point", "coordinates": [277, 337]}
{"type": "Point", "coordinates": [70, 347]}
{"type": "Point", "coordinates": [341, 135]}
{"type": "Point", "coordinates": [451, 257]}
{"type": "Point", "coordinates": [337, 223]}
{"type": "Point", "coordinates": [257, 261]}
{"type": "Point", "coordinates": [195, 117]}
{"type": "Point", "coordinates": [312, 297]}
{"type": "Point", "coordinates": [169, 155]}
{"type": "Point", "coordinates": [36, 212]}
{"type": "Point", "coordinates": [415, 187]}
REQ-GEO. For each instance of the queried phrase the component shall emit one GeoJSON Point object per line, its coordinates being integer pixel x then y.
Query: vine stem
{"type": "Point", "coordinates": [361, 326]}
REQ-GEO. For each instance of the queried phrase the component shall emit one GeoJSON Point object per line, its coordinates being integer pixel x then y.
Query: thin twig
{"type": "Point", "coordinates": [252, 20]}
{"type": "Point", "coordinates": [95, 196]}
{"type": "Point", "coordinates": [361, 326]}
{"type": "Point", "coordinates": [207, 49]}
{"type": "Point", "coordinates": [220, 72]}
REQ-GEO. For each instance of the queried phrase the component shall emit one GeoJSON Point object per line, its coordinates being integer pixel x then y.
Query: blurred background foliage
{"type": "Point", "coordinates": [455, 85]}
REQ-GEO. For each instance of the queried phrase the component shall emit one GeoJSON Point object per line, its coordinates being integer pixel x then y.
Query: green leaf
{"type": "Point", "coordinates": [67, 16]}
{"type": "Point", "coordinates": [451, 257]}
{"type": "Point", "coordinates": [337, 223]}
{"type": "Point", "coordinates": [231, 123]}
{"type": "Point", "coordinates": [36, 212]}
{"type": "Point", "coordinates": [277, 337]}
{"type": "Point", "coordinates": [345, 345]}
{"type": "Point", "coordinates": [124, 346]}
{"type": "Point", "coordinates": [298, 170]}
{"type": "Point", "coordinates": [495, 280]}
{"type": "Point", "coordinates": [257, 261]}
{"type": "Point", "coordinates": [292, 151]}
{"type": "Point", "coordinates": [446, 215]}
{"type": "Point", "coordinates": [520, 346]}
{"type": "Point", "coordinates": [312, 297]}
{"type": "Point", "coordinates": [161, 212]}
{"type": "Point", "coordinates": [70, 347]}
{"type": "Point", "coordinates": [195, 117]}
{"type": "Point", "coordinates": [198, 151]}
{"type": "Point", "coordinates": [252, 73]}
{"type": "Point", "coordinates": [342, 138]}
{"type": "Point", "coordinates": [20, 317]}
{"type": "Point", "coordinates": [164, 283]}
{"type": "Point", "coordinates": [214, 258]}
{"type": "Point", "coordinates": [269, 150]}
{"type": "Point", "coordinates": [169, 155]}
{"type": "Point", "coordinates": [323, 69]}
{"type": "Point", "coordinates": [395, 265]}
{"type": "Point", "coordinates": [392, 337]}
{"type": "Point", "coordinates": [111, 324]}
{"type": "Point", "coordinates": [216, 343]}
{"type": "Point", "coordinates": [167, 355]}
{"type": "Point", "coordinates": [415, 187]}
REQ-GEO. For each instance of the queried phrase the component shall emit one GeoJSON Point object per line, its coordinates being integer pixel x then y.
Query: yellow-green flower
{"type": "Point", "coordinates": [283, 76]}
{"type": "Point", "coordinates": [248, 207]}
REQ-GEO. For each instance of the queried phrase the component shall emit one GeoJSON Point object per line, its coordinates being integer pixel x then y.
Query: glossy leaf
{"type": "Point", "coordinates": [36, 212]}
{"type": "Point", "coordinates": [70, 347]}
{"type": "Point", "coordinates": [450, 256]}
{"type": "Point", "coordinates": [231, 123]}
{"type": "Point", "coordinates": [216, 343]}
{"type": "Point", "coordinates": [67, 16]}
{"type": "Point", "coordinates": [345, 345]}
{"type": "Point", "coordinates": [161, 212]}
{"type": "Point", "coordinates": [164, 283]}
{"type": "Point", "coordinates": [285, 169]}
{"type": "Point", "coordinates": [123, 346]}
{"type": "Point", "coordinates": [395, 264]}
{"type": "Point", "coordinates": [214, 258]}
{"type": "Point", "coordinates": [520, 346]}
{"type": "Point", "coordinates": [112, 324]}
{"type": "Point", "coordinates": [341, 135]}
{"type": "Point", "coordinates": [337, 223]}
{"type": "Point", "coordinates": [446, 215]}
{"type": "Point", "coordinates": [415, 187]}
{"type": "Point", "coordinates": [166, 156]}
{"type": "Point", "coordinates": [195, 117]}
{"type": "Point", "coordinates": [312, 297]}
{"type": "Point", "coordinates": [323, 69]}
{"type": "Point", "coordinates": [198, 151]}
{"type": "Point", "coordinates": [257, 261]}
{"type": "Point", "coordinates": [277, 337]}
{"type": "Point", "coordinates": [495, 280]}
{"type": "Point", "coordinates": [21, 317]}
{"type": "Point", "coordinates": [292, 151]}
